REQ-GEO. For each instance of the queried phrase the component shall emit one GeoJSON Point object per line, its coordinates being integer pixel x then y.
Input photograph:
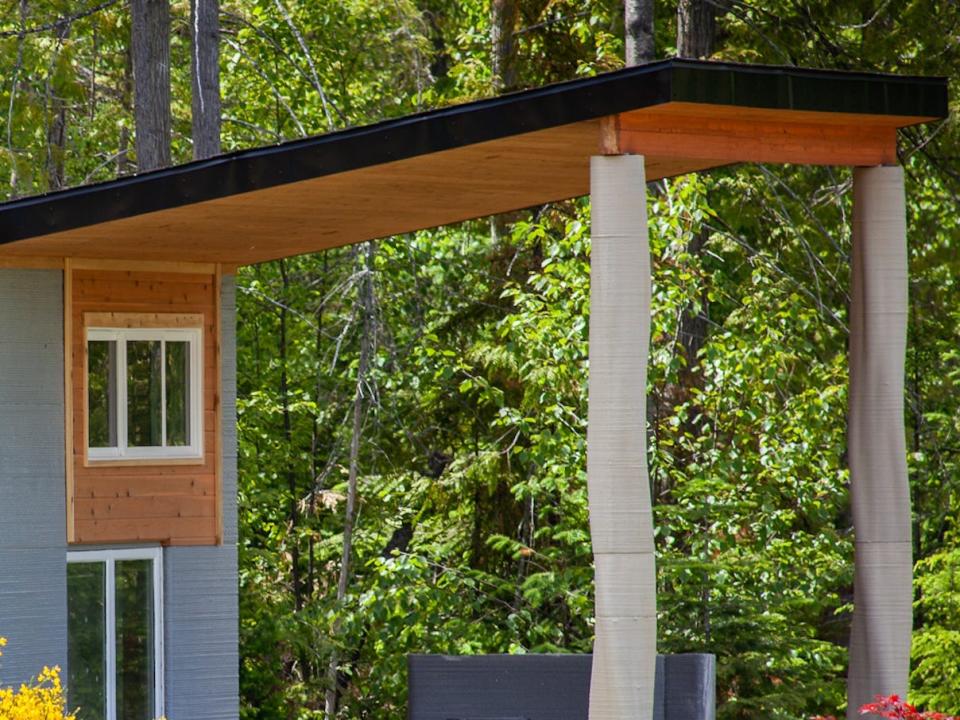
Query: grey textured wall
{"type": "Point", "coordinates": [200, 584]}
{"type": "Point", "coordinates": [200, 633]}
{"type": "Point", "coordinates": [33, 607]}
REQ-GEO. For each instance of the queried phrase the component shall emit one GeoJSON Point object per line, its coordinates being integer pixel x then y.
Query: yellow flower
{"type": "Point", "coordinates": [41, 699]}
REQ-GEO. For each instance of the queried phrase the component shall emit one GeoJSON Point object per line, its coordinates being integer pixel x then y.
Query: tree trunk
{"type": "Point", "coordinates": [503, 25]}
{"type": "Point", "coordinates": [290, 471]}
{"type": "Point", "coordinates": [693, 324]}
{"type": "Point", "coordinates": [368, 332]}
{"type": "Point", "coordinates": [696, 31]}
{"type": "Point", "coordinates": [124, 164]}
{"type": "Point", "coordinates": [696, 28]}
{"type": "Point", "coordinates": [14, 82]}
{"type": "Point", "coordinates": [56, 142]}
{"type": "Point", "coordinates": [150, 47]}
{"type": "Point", "coordinates": [638, 21]}
{"type": "Point", "coordinates": [205, 77]}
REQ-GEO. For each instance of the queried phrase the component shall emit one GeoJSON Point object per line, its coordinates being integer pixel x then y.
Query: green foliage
{"type": "Point", "coordinates": [936, 677]}
{"type": "Point", "coordinates": [472, 530]}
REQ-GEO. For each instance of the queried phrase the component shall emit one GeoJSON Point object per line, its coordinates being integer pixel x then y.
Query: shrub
{"type": "Point", "coordinates": [42, 699]}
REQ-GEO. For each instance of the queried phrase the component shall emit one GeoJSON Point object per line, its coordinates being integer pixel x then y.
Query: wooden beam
{"type": "Point", "coordinates": [610, 135]}
{"type": "Point", "coordinates": [68, 399]}
{"type": "Point", "coordinates": [728, 138]}
{"type": "Point", "coordinates": [218, 402]}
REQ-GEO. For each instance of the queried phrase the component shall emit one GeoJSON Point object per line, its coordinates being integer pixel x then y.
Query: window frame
{"type": "Point", "coordinates": [109, 557]}
{"type": "Point", "coordinates": [193, 336]}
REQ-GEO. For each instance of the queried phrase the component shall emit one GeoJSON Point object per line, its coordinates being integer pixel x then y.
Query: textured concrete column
{"type": "Point", "coordinates": [624, 654]}
{"type": "Point", "coordinates": [882, 618]}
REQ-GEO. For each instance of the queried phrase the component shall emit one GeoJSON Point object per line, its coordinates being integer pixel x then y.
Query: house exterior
{"type": "Point", "coordinates": [66, 524]}
{"type": "Point", "coordinates": [118, 522]}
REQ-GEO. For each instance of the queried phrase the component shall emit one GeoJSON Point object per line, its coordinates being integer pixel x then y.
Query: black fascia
{"type": "Point", "coordinates": [758, 86]}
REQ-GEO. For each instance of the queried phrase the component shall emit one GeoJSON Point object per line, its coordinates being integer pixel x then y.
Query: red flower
{"type": "Point", "coordinates": [896, 709]}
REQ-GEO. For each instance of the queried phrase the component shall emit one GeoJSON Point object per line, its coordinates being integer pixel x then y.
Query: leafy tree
{"type": "Point", "coordinates": [471, 531]}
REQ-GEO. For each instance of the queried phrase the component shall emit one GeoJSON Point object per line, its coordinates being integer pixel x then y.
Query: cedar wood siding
{"type": "Point", "coordinates": [150, 501]}
{"type": "Point", "coordinates": [33, 591]}
{"type": "Point", "coordinates": [200, 583]}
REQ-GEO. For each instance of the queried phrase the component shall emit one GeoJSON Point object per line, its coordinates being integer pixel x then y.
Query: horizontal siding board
{"type": "Point", "coordinates": [31, 304]}
{"type": "Point", "coordinates": [161, 529]}
{"type": "Point", "coordinates": [21, 363]}
{"type": "Point", "coordinates": [26, 429]}
{"type": "Point", "coordinates": [43, 459]}
{"type": "Point", "coordinates": [141, 276]}
{"type": "Point", "coordinates": [33, 611]}
{"type": "Point", "coordinates": [32, 511]}
{"type": "Point", "coordinates": [132, 485]}
{"type": "Point", "coordinates": [201, 633]}
{"type": "Point", "coordinates": [161, 295]}
{"type": "Point", "coordinates": [174, 506]}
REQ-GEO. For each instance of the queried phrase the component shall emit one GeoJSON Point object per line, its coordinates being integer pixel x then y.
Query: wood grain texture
{"type": "Point", "coordinates": [173, 266]}
{"type": "Point", "coordinates": [68, 398]}
{"type": "Point", "coordinates": [624, 654]}
{"type": "Point", "coordinates": [143, 320]}
{"type": "Point", "coordinates": [468, 182]}
{"type": "Point", "coordinates": [774, 139]}
{"type": "Point", "coordinates": [36, 263]}
{"type": "Point", "coordinates": [879, 492]}
{"type": "Point", "coordinates": [218, 401]}
{"type": "Point", "coordinates": [169, 501]}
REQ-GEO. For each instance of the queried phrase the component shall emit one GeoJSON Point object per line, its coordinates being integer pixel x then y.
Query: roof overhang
{"type": "Point", "coordinates": [473, 160]}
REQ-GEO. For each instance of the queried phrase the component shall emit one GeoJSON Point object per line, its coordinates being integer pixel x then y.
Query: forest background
{"type": "Point", "coordinates": [438, 379]}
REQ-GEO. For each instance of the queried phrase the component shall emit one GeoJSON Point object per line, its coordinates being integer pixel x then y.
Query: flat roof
{"type": "Point", "coordinates": [471, 160]}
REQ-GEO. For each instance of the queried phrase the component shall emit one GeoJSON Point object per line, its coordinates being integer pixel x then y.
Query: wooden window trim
{"type": "Point", "coordinates": [142, 320]}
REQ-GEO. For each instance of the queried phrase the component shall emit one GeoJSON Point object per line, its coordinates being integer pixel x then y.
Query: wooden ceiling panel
{"type": "Point", "coordinates": [472, 160]}
{"type": "Point", "coordinates": [390, 199]}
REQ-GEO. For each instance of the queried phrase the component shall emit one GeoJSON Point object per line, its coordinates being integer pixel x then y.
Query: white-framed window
{"type": "Point", "coordinates": [144, 393]}
{"type": "Point", "coordinates": [115, 634]}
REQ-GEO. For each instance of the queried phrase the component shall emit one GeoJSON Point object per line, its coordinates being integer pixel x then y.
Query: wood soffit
{"type": "Point", "coordinates": [472, 160]}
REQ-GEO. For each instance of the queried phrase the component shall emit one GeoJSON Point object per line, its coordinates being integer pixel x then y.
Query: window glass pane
{"type": "Point", "coordinates": [102, 392]}
{"type": "Point", "coordinates": [144, 409]}
{"type": "Point", "coordinates": [135, 652]}
{"type": "Point", "coordinates": [86, 639]}
{"type": "Point", "coordinates": [178, 393]}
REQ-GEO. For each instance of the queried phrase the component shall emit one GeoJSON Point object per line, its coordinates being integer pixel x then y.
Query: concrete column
{"type": "Point", "coordinates": [621, 524]}
{"type": "Point", "coordinates": [880, 496]}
